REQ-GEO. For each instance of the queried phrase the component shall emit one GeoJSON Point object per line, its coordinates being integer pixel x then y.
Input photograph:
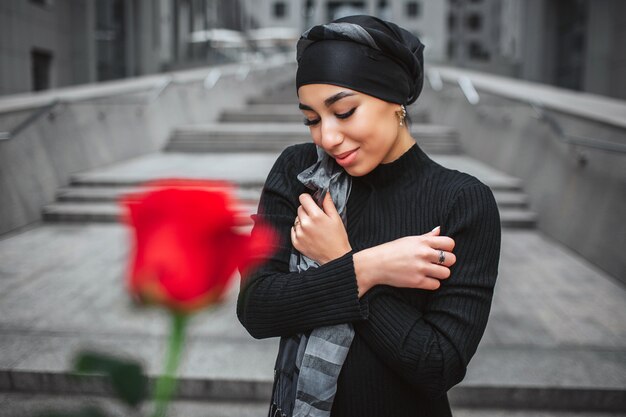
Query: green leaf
{"type": "Point", "coordinates": [127, 377]}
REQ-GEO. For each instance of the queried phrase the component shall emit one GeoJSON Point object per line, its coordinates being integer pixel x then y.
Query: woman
{"type": "Point", "coordinates": [380, 293]}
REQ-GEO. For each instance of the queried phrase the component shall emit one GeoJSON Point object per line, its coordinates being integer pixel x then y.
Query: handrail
{"type": "Point", "coordinates": [241, 71]}
{"type": "Point", "coordinates": [586, 141]}
{"type": "Point", "coordinates": [469, 91]}
{"type": "Point", "coordinates": [33, 117]}
{"type": "Point", "coordinates": [601, 109]}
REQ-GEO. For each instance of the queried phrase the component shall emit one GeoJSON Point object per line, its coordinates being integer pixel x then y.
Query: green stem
{"type": "Point", "coordinates": [166, 383]}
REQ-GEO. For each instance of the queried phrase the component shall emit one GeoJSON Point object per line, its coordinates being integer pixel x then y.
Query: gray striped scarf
{"type": "Point", "coordinates": [322, 353]}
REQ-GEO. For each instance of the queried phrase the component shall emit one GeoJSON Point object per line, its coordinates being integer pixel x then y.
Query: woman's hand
{"type": "Point", "coordinates": [319, 233]}
{"type": "Point", "coordinates": [408, 262]}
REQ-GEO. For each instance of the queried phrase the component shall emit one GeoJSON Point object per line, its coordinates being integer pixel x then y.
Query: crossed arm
{"type": "Point", "coordinates": [431, 347]}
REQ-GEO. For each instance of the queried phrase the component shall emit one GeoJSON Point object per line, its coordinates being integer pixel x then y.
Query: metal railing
{"type": "Point", "coordinates": [209, 81]}
{"type": "Point", "coordinates": [473, 97]}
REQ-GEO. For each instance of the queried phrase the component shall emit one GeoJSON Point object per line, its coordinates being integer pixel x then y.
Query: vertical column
{"type": "Point", "coordinates": [129, 30]}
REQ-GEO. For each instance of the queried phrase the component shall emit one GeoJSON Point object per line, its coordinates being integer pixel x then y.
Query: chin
{"type": "Point", "coordinates": [357, 171]}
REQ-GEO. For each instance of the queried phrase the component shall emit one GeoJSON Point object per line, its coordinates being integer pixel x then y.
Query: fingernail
{"type": "Point", "coordinates": [435, 228]}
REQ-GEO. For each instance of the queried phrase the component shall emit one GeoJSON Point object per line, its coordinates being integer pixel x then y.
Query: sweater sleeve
{"type": "Point", "coordinates": [431, 348]}
{"type": "Point", "coordinates": [276, 302]}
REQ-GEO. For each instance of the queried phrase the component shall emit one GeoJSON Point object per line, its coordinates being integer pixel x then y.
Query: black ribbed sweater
{"type": "Point", "coordinates": [410, 345]}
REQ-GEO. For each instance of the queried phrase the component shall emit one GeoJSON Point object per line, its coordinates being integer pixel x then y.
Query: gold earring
{"type": "Point", "coordinates": [401, 114]}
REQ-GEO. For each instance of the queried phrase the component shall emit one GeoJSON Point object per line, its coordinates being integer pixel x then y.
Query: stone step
{"type": "Point", "coordinates": [103, 212]}
{"type": "Point", "coordinates": [518, 219]}
{"type": "Point", "coordinates": [110, 194]}
{"type": "Point", "coordinates": [247, 170]}
{"type": "Point", "coordinates": [111, 181]}
{"type": "Point", "coordinates": [249, 137]}
{"type": "Point", "coordinates": [477, 395]}
{"type": "Point", "coordinates": [422, 132]}
{"type": "Point", "coordinates": [111, 213]}
{"type": "Point", "coordinates": [511, 199]}
{"type": "Point", "coordinates": [27, 404]}
{"type": "Point", "coordinates": [253, 145]}
{"type": "Point", "coordinates": [286, 113]}
{"type": "Point", "coordinates": [284, 97]}
{"type": "Point", "coordinates": [505, 199]}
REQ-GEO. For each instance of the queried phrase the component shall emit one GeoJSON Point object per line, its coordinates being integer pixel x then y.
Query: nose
{"type": "Point", "coordinates": [331, 135]}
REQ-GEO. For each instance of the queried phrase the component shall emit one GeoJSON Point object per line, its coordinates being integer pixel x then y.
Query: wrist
{"type": "Point", "coordinates": [364, 269]}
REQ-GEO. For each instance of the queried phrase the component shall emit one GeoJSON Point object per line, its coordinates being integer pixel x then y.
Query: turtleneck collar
{"type": "Point", "coordinates": [410, 163]}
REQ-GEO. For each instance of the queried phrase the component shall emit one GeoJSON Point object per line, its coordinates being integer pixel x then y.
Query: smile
{"type": "Point", "coordinates": [346, 158]}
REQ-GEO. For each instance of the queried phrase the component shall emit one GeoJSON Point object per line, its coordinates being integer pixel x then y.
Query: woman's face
{"type": "Point", "coordinates": [358, 130]}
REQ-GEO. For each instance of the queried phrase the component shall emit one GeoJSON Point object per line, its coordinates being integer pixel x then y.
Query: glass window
{"type": "Point", "coordinates": [451, 21]}
{"type": "Point", "coordinates": [474, 22]}
{"type": "Point", "coordinates": [413, 9]}
{"type": "Point", "coordinates": [451, 49]}
{"type": "Point", "coordinates": [41, 65]}
{"type": "Point", "coordinates": [477, 51]}
{"type": "Point", "coordinates": [280, 9]}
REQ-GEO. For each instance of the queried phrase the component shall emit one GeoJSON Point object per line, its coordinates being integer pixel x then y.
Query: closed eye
{"type": "Point", "coordinates": [308, 122]}
{"type": "Point", "coordinates": [345, 115]}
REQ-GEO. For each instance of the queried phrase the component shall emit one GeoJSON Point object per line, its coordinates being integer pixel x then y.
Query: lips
{"type": "Point", "coordinates": [343, 155]}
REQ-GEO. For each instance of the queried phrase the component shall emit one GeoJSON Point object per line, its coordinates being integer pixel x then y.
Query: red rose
{"type": "Point", "coordinates": [187, 246]}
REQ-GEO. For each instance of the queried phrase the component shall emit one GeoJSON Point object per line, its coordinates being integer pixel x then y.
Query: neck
{"type": "Point", "coordinates": [403, 143]}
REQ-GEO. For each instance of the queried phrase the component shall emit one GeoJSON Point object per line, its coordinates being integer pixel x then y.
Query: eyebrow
{"type": "Point", "coordinates": [330, 100]}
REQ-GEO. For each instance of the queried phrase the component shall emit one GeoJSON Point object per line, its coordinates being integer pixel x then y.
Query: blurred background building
{"type": "Point", "coordinates": [53, 43]}
{"type": "Point", "coordinates": [205, 89]}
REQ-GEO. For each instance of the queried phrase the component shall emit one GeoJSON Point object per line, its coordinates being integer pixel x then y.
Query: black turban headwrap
{"type": "Point", "coordinates": [365, 54]}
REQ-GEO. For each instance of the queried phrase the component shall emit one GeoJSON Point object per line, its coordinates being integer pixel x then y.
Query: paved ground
{"type": "Point", "coordinates": [556, 320]}
{"type": "Point", "coordinates": [20, 405]}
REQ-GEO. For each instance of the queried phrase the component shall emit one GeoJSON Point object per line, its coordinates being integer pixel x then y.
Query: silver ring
{"type": "Point", "coordinates": [442, 257]}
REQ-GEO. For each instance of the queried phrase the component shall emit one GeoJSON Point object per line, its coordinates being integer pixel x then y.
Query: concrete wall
{"type": "Point", "coordinates": [577, 192]}
{"type": "Point", "coordinates": [97, 125]}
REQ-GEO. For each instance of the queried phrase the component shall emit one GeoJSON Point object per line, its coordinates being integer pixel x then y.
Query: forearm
{"type": "Point", "coordinates": [365, 262]}
{"type": "Point", "coordinates": [430, 341]}
{"type": "Point", "coordinates": [273, 303]}
{"type": "Point", "coordinates": [411, 345]}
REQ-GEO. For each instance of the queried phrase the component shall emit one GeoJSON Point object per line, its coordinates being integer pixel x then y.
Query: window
{"type": "Point", "coordinates": [280, 10]}
{"type": "Point", "coordinates": [451, 49]}
{"type": "Point", "coordinates": [474, 22]}
{"type": "Point", "coordinates": [413, 9]}
{"type": "Point", "coordinates": [42, 3]}
{"type": "Point", "coordinates": [451, 21]}
{"type": "Point", "coordinates": [41, 64]}
{"type": "Point", "coordinates": [384, 10]}
{"type": "Point", "coordinates": [477, 52]}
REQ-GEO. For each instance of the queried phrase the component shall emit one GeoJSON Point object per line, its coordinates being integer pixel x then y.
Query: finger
{"type": "Point", "coordinates": [440, 242]}
{"type": "Point", "coordinates": [434, 232]}
{"type": "Point", "coordinates": [302, 216]}
{"type": "Point", "coordinates": [329, 206]}
{"type": "Point", "coordinates": [430, 284]}
{"type": "Point", "coordinates": [437, 271]}
{"type": "Point", "coordinates": [293, 236]}
{"type": "Point", "coordinates": [309, 205]}
{"type": "Point", "coordinates": [449, 258]}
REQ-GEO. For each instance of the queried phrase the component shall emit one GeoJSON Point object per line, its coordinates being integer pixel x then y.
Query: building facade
{"type": "Point", "coordinates": [55, 43]}
{"type": "Point", "coordinates": [574, 44]}
{"type": "Point", "coordinates": [424, 18]}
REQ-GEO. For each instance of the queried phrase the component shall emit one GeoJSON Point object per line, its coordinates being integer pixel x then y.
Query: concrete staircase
{"type": "Point", "coordinates": [555, 344]}
{"type": "Point", "coordinates": [244, 136]}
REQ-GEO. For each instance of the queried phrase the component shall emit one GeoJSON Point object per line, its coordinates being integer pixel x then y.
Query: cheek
{"type": "Point", "coordinates": [375, 133]}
